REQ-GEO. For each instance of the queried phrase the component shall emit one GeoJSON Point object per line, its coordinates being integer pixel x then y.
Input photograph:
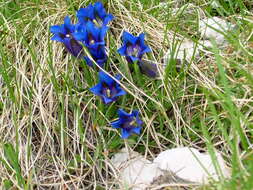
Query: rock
{"type": "Point", "coordinates": [185, 166]}
{"type": "Point", "coordinates": [180, 51]}
{"type": "Point", "coordinates": [191, 165]}
{"type": "Point", "coordinates": [135, 171]}
{"type": "Point", "coordinates": [213, 28]}
{"type": "Point", "coordinates": [209, 29]}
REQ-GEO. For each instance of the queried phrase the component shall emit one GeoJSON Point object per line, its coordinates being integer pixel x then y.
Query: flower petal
{"type": "Point", "coordinates": [100, 10]}
{"type": "Point", "coordinates": [121, 92]}
{"type": "Point", "coordinates": [146, 49]}
{"type": "Point", "coordinates": [103, 77]}
{"type": "Point", "coordinates": [107, 100]}
{"type": "Point", "coordinates": [127, 37]}
{"type": "Point", "coordinates": [116, 124]}
{"type": "Point", "coordinates": [108, 18]}
{"type": "Point", "coordinates": [81, 36]}
{"type": "Point", "coordinates": [97, 89]}
{"type": "Point", "coordinates": [125, 134]}
{"type": "Point", "coordinates": [56, 29]}
{"type": "Point", "coordinates": [68, 25]}
{"type": "Point", "coordinates": [133, 59]}
{"type": "Point", "coordinates": [136, 130]}
{"type": "Point", "coordinates": [84, 14]}
{"type": "Point", "coordinates": [93, 30]}
{"type": "Point", "coordinates": [103, 32]}
{"type": "Point", "coordinates": [122, 50]}
{"type": "Point", "coordinates": [57, 38]}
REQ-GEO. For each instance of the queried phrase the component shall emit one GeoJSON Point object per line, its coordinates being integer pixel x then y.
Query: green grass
{"type": "Point", "coordinates": [55, 134]}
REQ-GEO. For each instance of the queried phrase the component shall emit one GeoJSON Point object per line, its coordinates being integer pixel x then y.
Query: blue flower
{"type": "Point", "coordinates": [91, 35]}
{"type": "Point", "coordinates": [93, 38]}
{"type": "Point", "coordinates": [95, 13]}
{"type": "Point", "coordinates": [133, 47]}
{"type": "Point", "coordinates": [128, 123]}
{"type": "Point", "coordinates": [108, 89]}
{"type": "Point", "coordinates": [64, 33]}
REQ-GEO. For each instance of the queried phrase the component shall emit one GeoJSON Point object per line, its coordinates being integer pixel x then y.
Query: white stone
{"type": "Point", "coordinates": [212, 28]}
{"type": "Point", "coordinates": [183, 50]}
{"type": "Point", "coordinates": [135, 171]}
{"type": "Point", "coordinates": [190, 164]}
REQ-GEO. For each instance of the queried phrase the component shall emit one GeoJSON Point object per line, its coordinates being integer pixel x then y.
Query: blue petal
{"type": "Point", "coordinates": [125, 134]}
{"type": "Point", "coordinates": [67, 20]}
{"type": "Point", "coordinates": [108, 18]}
{"type": "Point", "coordinates": [136, 130]}
{"type": "Point", "coordinates": [93, 30]}
{"type": "Point", "coordinates": [57, 38]}
{"type": "Point", "coordinates": [141, 37]}
{"type": "Point", "coordinates": [145, 49]}
{"type": "Point", "coordinates": [123, 114]}
{"type": "Point", "coordinates": [133, 59]}
{"type": "Point", "coordinates": [81, 36]}
{"type": "Point", "coordinates": [127, 37]}
{"type": "Point", "coordinates": [106, 100]}
{"type": "Point", "coordinates": [103, 77]}
{"type": "Point", "coordinates": [99, 7]}
{"type": "Point", "coordinates": [83, 14]}
{"type": "Point", "coordinates": [56, 29]}
{"type": "Point", "coordinates": [68, 25]}
{"type": "Point", "coordinates": [116, 124]}
{"type": "Point", "coordinates": [97, 89]}
{"type": "Point", "coordinates": [122, 50]}
{"type": "Point", "coordinates": [121, 92]}
{"type": "Point", "coordinates": [103, 32]}
{"type": "Point", "coordinates": [79, 27]}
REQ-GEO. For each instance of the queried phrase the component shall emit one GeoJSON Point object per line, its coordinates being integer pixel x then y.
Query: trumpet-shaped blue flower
{"type": "Point", "coordinates": [133, 47]}
{"type": "Point", "coordinates": [108, 89]}
{"type": "Point", "coordinates": [95, 13]}
{"type": "Point", "coordinates": [64, 33]}
{"type": "Point", "coordinates": [93, 38]}
{"type": "Point", "coordinates": [91, 35]}
{"type": "Point", "coordinates": [128, 123]}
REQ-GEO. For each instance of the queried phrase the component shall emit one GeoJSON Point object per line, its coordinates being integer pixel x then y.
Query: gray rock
{"type": "Point", "coordinates": [214, 28]}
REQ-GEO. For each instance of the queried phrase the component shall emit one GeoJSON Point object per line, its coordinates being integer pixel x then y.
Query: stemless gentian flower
{"type": "Point", "coordinates": [95, 13]}
{"type": "Point", "coordinates": [93, 38]}
{"type": "Point", "coordinates": [128, 123]}
{"type": "Point", "coordinates": [64, 33]}
{"type": "Point", "coordinates": [107, 88]}
{"type": "Point", "coordinates": [91, 35]}
{"type": "Point", "coordinates": [133, 47]}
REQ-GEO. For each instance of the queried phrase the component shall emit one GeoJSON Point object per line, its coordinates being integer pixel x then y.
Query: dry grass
{"type": "Point", "coordinates": [52, 120]}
